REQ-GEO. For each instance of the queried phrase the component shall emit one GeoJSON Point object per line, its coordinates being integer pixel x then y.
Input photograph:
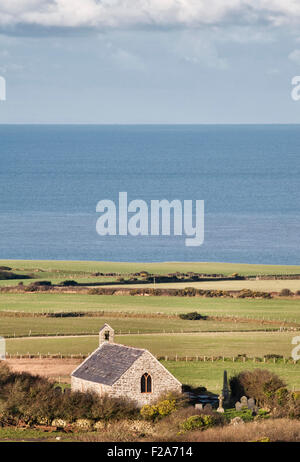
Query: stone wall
{"type": "Point", "coordinates": [85, 385]}
{"type": "Point", "coordinates": [129, 385]}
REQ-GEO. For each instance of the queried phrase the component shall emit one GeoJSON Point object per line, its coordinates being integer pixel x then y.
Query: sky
{"type": "Point", "coordinates": [149, 61]}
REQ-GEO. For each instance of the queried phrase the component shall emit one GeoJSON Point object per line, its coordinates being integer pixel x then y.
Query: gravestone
{"type": "Point", "coordinates": [199, 406]}
{"type": "Point", "coordinates": [251, 403]}
{"type": "Point", "coordinates": [238, 406]}
{"type": "Point", "coordinates": [244, 401]}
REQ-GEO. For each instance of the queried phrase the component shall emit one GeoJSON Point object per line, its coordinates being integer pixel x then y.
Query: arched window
{"type": "Point", "coordinates": [146, 383]}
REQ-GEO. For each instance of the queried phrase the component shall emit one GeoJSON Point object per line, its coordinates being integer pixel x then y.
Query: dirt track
{"type": "Point", "coordinates": [58, 369]}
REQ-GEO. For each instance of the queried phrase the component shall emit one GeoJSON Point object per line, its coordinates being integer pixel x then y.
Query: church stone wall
{"type": "Point", "coordinates": [129, 385]}
{"type": "Point", "coordinates": [85, 385]}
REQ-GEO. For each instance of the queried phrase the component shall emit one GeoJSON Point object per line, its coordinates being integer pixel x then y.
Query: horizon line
{"type": "Point", "coordinates": [148, 124]}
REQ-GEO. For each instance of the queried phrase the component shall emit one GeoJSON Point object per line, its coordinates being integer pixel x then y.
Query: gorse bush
{"type": "Point", "coordinates": [161, 409]}
{"type": "Point", "coordinates": [197, 422]}
{"type": "Point", "coordinates": [166, 405]}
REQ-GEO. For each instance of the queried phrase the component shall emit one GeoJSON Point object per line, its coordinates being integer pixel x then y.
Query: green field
{"type": "Point", "coordinates": [68, 268]}
{"type": "Point", "coordinates": [152, 318]}
{"type": "Point", "coordinates": [14, 326]}
{"type": "Point", "coordinates": [210, 375]}
{"type": "Point", "coordinates": [254, 344]}
{"type": "Point", "coordinates": [276, 309]}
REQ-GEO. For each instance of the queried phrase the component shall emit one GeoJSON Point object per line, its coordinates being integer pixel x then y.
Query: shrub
{"type": "Point", "coordinates": [166, 405]}
{"type": "Point", "coordinates": [41, 283]}
{"type": "Point", "coordinates": [286, 293]}
{"type": "Point", "coordinates": [32, 398]}
{"type": "Point", "coordinates": [193, 316]}
{"type": "Point", "coordinates": [70, 282]}
{"type": "Point", "coordinates": [5, 275]}
{"type": "Point", "coordinates": [161, 409]}
{"type": "Point", "coordinates": [38, 286]}
{"type": "Point", "coordinates": [149, 412]}
{"type": "Point", "coordinates": [107, 408]}
{"type": "Point", "coordinates": [282, 396]}
{"type": "Point", "coordinates": [259, 384]}
{"type": "Point", "coordinates": [190, 291]}
{"type": "Point", "coordinates": [197, 422]}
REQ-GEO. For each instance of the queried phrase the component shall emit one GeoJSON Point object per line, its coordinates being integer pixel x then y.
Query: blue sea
{"type": "Point", "coordinates": [52, 177]}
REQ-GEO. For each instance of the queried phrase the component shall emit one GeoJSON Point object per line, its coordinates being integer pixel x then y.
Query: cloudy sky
{"type": "Point", "coordinates": [149, 61]}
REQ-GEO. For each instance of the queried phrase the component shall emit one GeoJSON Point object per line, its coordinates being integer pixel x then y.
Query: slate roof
{"type": "Point", "coordinates": [108, 363]}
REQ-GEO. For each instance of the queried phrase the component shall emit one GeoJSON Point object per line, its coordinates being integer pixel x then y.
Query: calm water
{"type": "Point", "coordinates": [51, 178]}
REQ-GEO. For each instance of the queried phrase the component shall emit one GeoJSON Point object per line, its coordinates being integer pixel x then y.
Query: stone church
{"type": "Point", "coordinates": [122, 371]}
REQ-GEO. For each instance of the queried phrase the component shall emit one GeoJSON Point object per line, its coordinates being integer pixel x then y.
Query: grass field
{"type": "Point", "coordinates": [11, 326]}
{"type": "Point", "coordinates": [210, 375]}
{"type": "Point", "coordinates": [81, 267]}
{"type": "Point", "coordinates": [263, 285]}
{"type": "Point", "coordinates": [190, 344]}
{"type": "Point", "coordinates": [277, 309]}
{"type": "Point", "coordinates": [271, 285]}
